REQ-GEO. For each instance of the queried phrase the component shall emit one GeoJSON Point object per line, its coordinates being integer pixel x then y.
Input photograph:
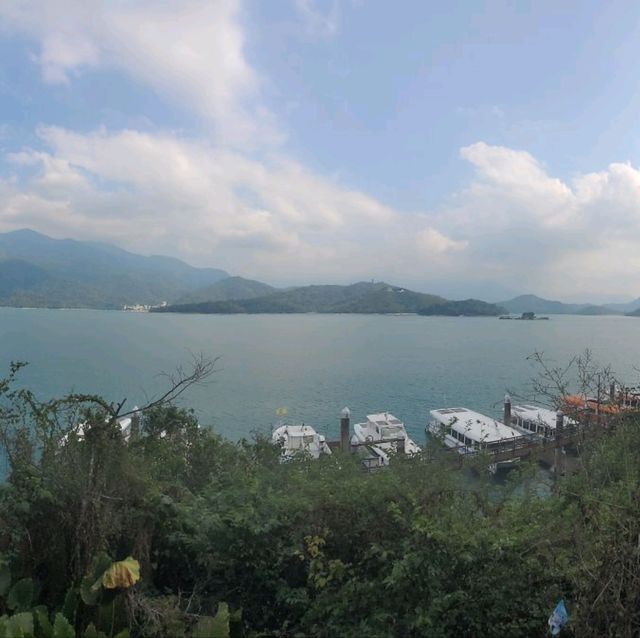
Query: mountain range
{"type": "Point", "coordinates": [39, 271]}
{"type": "Point", "coordinates": [532, 303]}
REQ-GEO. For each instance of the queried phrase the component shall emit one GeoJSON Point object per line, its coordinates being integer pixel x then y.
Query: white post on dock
{"type": "Point", "coordinates": [558, 459]}
{"type": "Point", "coordinates": [345, 423]}
{"type": "Point", "coordinates": [506, 418]}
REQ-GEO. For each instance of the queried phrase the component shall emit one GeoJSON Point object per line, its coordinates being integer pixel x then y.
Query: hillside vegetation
{"type": "Point", "coordinates": [538, 305]}
{"type": "Point", "coordinates": [228, 541]}
{"type": "Point", "coordinates": [228, 289]}
{"type": "Point", "coordinates": [362, 297]}
{"type": "Point", "coordinates": [38, 271]}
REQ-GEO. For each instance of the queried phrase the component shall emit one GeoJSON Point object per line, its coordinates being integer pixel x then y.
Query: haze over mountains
{"type": "Point", "coordinates": [38, 271]}
{"type": "Point", "coordinates": [533, 303]}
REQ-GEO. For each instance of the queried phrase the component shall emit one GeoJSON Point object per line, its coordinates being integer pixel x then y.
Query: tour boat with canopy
{"type": "Point", "coordinates": [300, 439]}
{"type": "Point", "coordinates": [384, 434]}
{"type": "Point", "coordinates": [470, 433]}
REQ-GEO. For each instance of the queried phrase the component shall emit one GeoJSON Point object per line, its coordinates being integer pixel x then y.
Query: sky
{"type": "Point", "coordinates": [465, 148]}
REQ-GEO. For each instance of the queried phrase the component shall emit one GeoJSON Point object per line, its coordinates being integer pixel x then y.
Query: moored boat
{"type": "Point", "coordinates": [532, 419]}
{"type": "Point", "coordinates": [124, 423]}
{"type": "Point", "coordinates": [384, 434]}
{"type": "Point", "coordinates": [470, 433]}
{"type": "Point", "coordinates": [299, 439]}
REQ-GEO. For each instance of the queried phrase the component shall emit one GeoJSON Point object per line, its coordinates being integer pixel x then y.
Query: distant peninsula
{"type": "Point", "coordinates": [358, 298]}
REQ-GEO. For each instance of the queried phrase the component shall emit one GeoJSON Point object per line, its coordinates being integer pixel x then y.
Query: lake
{"type": "Point", "coordinates": [314, 365]}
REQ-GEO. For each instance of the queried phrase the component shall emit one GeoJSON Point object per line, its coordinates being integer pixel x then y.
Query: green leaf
{"type": "Point", "coordinates": [235, 624]}
{"type": "Point", "coordinates": [21, 595]}
{"type": "Point", "coordinates": [88, 592]}
{"type": "Point", "coordinates": [101, 562]}
{"type": "Point", "coordinates": [20, 625]}
{"type": "Point", "coordinates": [123, 634]}
{"type": "Point", "coordinates": [43, 624]}
{"type": "Point", "coordinates": [91, 584]}
{"type": "Point", "coordinates": [5, 579]}
{"type": "Point", "coordinates": [214, 627]}
{"type": "Point", "coordinates": [70, 605]}
{"type": "Point", "coordinates": [62, 628]}
{"type": "Point", "coordinates": [92, 632]}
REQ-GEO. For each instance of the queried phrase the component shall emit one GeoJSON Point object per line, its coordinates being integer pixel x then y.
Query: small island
{"type": "Point", "coordinates": [525, 316]}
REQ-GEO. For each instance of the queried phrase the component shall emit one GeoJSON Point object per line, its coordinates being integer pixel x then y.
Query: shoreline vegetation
{"type": "Point", "coordinates": [176, 531]}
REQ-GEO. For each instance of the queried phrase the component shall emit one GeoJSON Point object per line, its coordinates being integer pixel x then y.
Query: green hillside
{"type": "Point", "coordinates": [359, 298]}
{"type": "Point", "coordinates": [228, 289]}
{"type": "Point", "coordinates": [533, 303]}
{"type": "Point", "coordinates": [36, 270]}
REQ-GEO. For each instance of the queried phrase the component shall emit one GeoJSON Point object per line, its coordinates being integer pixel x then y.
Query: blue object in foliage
{"type": "Point", "coordinates": [558, 619]}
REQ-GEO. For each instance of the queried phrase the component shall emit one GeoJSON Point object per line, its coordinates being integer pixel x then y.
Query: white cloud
{"type": "Point", "coordinates": [318, 22]}
{"type": "Point", "coordinates": [436, 244]}
{"type": "Point", "coordinates": [536, 232]}
{"type": "Point", "coordinates": [211, 202]}
{"type": "Point", "coordinates": [190, 51]}
{"type": "Point", "coordinates": [271, 218]}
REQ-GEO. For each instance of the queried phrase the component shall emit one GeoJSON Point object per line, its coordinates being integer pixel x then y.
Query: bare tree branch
{"type": "Point", "coordinates": [179, 381]}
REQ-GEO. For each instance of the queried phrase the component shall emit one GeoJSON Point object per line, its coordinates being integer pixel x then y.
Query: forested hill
{"type": "Point", "coordinates": [533, 303]}
{"type": "Point", "coordinates": [39, 271]}
{"type": "Point", "coordinates": [228, 289]}
{"type": "Point", "coordinates": [362, 297]}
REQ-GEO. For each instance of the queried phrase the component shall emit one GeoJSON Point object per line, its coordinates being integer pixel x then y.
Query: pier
{"type": "Point", "coordinates": [549, 450]}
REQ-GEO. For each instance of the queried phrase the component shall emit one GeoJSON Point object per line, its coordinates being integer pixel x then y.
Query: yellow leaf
{"type": "Point", "coordinates": [123, 574]}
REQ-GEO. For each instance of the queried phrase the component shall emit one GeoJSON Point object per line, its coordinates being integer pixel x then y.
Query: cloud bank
{"type": "Point", "coordinates": [235, 198]}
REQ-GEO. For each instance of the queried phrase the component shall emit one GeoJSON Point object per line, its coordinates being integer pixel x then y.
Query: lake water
{"type": "Point", "coordinates": [313, 365]}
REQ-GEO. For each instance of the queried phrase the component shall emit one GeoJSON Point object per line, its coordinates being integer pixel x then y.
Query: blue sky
{"type": "Point", "coordinates": [465, 148]}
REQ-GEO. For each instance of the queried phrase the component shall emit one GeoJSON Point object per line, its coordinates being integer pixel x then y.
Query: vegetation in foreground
{"type": "Point", "coordinates": [230, 542]}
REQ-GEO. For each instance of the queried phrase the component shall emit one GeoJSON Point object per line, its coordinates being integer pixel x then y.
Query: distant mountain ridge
{"type": "Point", "coordinates": [360, 298]}
{"type": "Point", "coordinates": [539, 305]}
{"type": "Point", "coordinates": [39, 271]}
{"type": "Point", "coordinates": [228, 289]}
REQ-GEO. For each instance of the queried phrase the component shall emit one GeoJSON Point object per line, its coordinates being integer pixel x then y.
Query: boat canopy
{"type": "Point", "coordinates": [387, 425]}
{"type": "Point", "coordinates": [475, 426]}
{"type": "Point", "coordinates": [299, 436]}
{"type": "Point", "coordinates": [536, 414]}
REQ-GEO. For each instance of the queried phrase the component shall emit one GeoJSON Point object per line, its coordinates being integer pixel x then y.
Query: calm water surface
{"type": "Point", "coordinates": [312, 364]}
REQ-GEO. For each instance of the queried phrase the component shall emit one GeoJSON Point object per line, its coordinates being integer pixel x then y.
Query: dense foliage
{"type": "Point", "coordinates": [230, 541]}
{"type": "Point", "coordinates": [228, 289]}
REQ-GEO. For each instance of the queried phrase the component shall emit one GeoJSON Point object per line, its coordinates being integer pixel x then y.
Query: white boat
{"type": "Point", "coordinates": [299, 439]}
{"type": "Point", "coordinates": [123, 422]}
{"type": "Point", "coordinates": [532, 419]}
{"type": "Point", "coordinates": [384, 434]}
{"type": "Point", "coordinates": [470, 433]}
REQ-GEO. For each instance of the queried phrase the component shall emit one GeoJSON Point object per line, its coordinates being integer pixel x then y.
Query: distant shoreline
{"type": "Point", "coordinates": [298, 313]}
